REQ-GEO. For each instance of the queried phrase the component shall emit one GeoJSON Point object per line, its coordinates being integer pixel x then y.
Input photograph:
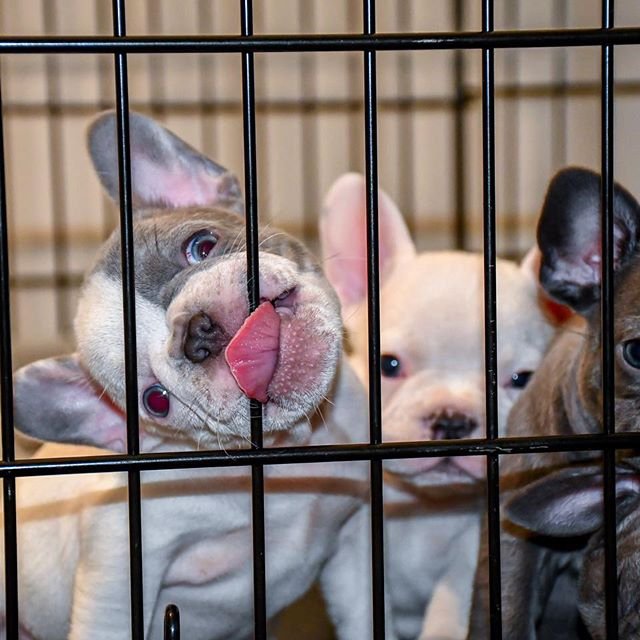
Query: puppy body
{"type": "Point", "coordinates": [568, 503]}
{"type": "Point", "coordinates": [197, 545]}
{"type": "Point", "coordinates": [564, 396]}
{"type": "Point", "coordinates": [433, 388]}
{"type": "Point", "coordinates": [198, 349]}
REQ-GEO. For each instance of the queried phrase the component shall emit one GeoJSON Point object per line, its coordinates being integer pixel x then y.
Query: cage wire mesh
{"type": "Point", "coordinates": [309, 125]}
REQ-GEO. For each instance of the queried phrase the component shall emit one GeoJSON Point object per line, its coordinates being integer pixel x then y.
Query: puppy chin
{"type": "Point", "coordinates": [426, 472]}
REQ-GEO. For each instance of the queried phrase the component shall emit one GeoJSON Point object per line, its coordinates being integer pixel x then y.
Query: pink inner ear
{"type": "Point", "coordinates": [344, 237]}
{"type": "Point", "coordinates": [176, 187]}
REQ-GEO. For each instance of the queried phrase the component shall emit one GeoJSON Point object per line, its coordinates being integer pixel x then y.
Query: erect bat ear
{"type": "Point", "coordinates": [165, 171]}
{"type": "Point", "coordinates": [343, 237]}
{"type": "Point", "coordinates": [569, 236]}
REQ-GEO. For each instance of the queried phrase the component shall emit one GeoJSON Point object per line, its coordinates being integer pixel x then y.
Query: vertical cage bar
{"type": "Point", "coordinates": [459, 134]}
{"type": "Point", "coordinates": [607, 317]}
{"type": "Point", "coordinates": [129, 317]}
{"type": "Point", "coordinates": [172, 623]}
{"type": "Point", "coordinates": [373, 310]}
{"type": "Point", "coordinates": [6, 408]}
{"type": "Point", "coordinates": [253, 291]}
{"type": "Point", "coordinates": [490, 324]}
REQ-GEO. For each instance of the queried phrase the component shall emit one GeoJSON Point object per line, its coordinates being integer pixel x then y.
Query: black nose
{"type": "Point", "coordinates": [452, 425]}
{"type": "Point", "coordinates": [204, 338]}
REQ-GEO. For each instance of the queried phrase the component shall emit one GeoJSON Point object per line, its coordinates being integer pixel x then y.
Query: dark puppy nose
{"type": "Point", "coordinates": [204, 338]}
{"type": "Point", "coordinates": [452, 425]}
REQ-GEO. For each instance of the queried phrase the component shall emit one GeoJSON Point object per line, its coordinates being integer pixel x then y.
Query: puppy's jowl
{"type": "Point", "coordinates": [564, 397]}
{"type": "Point", "coordinates": [433, 388]}
{"type": "Point", "coordinates": [200, 354]}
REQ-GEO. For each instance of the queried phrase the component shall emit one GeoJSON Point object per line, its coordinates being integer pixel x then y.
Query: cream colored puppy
{"type": "Point", "coordinates": [433, 388]}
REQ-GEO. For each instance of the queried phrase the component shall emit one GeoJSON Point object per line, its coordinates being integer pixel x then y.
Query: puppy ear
{"type": "Point", "coordinates": [568, 502]}
{"type": "Point", "coordinates": [343, 237]}
{"type": "Point", "coordinates": [530, 266]}
{"type": "Point", "coordinates": [569, 236]}
{"type": "Point", "coordinates": [55, 400]}
{"type": "Point", "coordinates": [564, 503]}
{"type": "Point", "coordinates": [166, 172]}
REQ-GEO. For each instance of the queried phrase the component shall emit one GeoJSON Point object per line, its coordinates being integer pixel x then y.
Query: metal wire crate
{"type": "Point", "coordinates": [483, 69]}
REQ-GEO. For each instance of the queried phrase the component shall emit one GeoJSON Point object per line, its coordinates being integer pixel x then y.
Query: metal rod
{"type": "Point", "coordinates": [490, 321]}
{"type": "Point", "coordinates": [328, 453]}
{"type": "Point", "coordinates": [172, 623]}
{"type": "Point", "coordinates": [373, 314]}
{"type": "Point", "coordinates": [129, 319]}
{"type": "Point", "coordinates": [253, 290]}
{"type": "Point", "coordinates": [526, 38]}
{"type": "Point", "coordinates": [607, 318]}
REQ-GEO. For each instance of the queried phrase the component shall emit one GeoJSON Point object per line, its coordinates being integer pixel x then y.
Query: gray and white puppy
{"type": "Point", "coordinates": [564, 395]}
{"type": "Point", "coordinates": [200, 356]}
{"type": "Point", "coordinates": [568, 503]}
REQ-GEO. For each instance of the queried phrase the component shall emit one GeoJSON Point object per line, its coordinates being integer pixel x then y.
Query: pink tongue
{"type": "Point", "coordinates": [252, 354]}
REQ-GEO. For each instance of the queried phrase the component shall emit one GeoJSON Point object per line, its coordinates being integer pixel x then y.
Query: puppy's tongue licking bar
{"type": "Point", "coordinates": [252, 354]}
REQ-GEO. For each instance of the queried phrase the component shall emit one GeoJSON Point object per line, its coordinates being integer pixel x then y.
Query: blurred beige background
{"type": "Point", "coordinates": [310, 124]}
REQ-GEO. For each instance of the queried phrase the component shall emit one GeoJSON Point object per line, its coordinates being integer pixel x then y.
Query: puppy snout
{"type": "Point", "coordinates": [451, 425]}
{"type": "Point", "coordinates": [205, 338]}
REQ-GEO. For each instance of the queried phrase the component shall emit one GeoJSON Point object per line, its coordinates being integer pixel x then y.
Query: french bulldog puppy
{"type": "Point", "coordinates": [433, 388]}
{"type": "Point", "coordinates": [201, 356]}
{"type": "Point", "coordinates": [564, 396]}
{"type": "Point", "coordinates": [568, 503]}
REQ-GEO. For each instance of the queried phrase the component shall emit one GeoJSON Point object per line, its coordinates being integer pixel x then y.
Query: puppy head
{"type": "Point", "coordinates": [569, 240]}
{"type": "Point", "coordinates": [432, 336]}
{"type": "Point", "coordinates": [569, 503]}
{"type": "Point", "coordinates": [199, 352]}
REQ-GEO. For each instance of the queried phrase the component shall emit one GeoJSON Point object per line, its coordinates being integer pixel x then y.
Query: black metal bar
{"type": "Point", "coordinates": [608, 341]}
{"type": "Point", "coordinates": [172, 623]}
{"type": "Point", "coordinates": [253, 290]}
{"type": "Point", "coordinates": [526, 38]}
{"type": "Point", "coordinates": [6, 410]}
{"type": "Point", "coordinates": [129, 319]}
{"type": "Point", "coordinates": [373, 314]}
{"type": "Point", "coordinates": [311, 454]}
{"type": "Point", "coordinates": [490, 322]}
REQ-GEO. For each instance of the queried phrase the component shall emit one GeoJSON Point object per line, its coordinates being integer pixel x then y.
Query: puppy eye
{"type": "Point", "coordinates": [156, 401]}
{"type": "Point", "coordinates": [390, 366]}
{"type": "Point", "coordinates": [631, 353]}
{"type": "Point", "coordinates": [520, 379]}
{"type": "Point", "coordinates": [199, 246]}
